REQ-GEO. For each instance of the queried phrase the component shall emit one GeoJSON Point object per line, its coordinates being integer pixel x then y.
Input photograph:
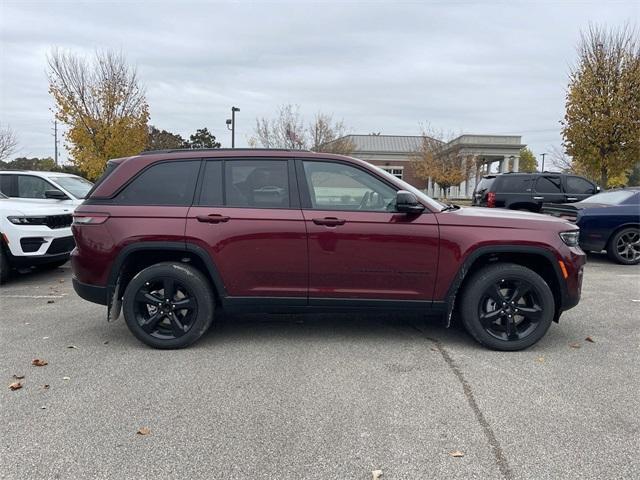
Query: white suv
{"type": "Point", "coordinates": [48, 187]}
{"type": "Point", "coordinates": [33, 234]}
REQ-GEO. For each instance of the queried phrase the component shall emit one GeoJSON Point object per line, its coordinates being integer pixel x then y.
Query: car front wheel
{"type": "Point", "coordinates": [624, 247]}
{"type": "Point", "coordinates": [507, 307]}
{"type": "Point", "coordinates": [168, 305]}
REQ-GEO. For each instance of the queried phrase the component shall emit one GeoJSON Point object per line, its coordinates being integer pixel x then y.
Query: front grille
{"type": "Point", "coordinates": [61, 245]}
{"type": "Point", "coordinates": [31, 244]}
{"type": "Point", "coordinates": [58, 221]}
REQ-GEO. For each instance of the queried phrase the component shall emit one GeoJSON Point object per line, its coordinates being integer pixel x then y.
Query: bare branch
{"type": "Point", "coordinates": [8, 142]}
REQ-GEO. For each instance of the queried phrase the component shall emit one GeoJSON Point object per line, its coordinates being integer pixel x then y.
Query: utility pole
{"type": "Point", "coordinates": [543, 155]}
{"type": "Point", "coordinates": [55, 144]}
{"type": "Point", "coordinates": [232, 122]}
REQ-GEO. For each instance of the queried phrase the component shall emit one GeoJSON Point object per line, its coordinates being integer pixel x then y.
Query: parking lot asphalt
{"type": "Point", "coordinates": [318, 397]}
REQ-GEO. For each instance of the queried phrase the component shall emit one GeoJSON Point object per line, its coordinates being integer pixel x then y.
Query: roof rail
{"type": "Point", "coordinates": [177, 150]}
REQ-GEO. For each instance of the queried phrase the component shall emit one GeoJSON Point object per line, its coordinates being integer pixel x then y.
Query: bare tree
{"type": "Point", "coordinates": [8, 142]}
{"type": "Point", "coordinates": [288, 130]}
{"type": "Point", "coordinates": [285, 131]}
{"type": "Point", "coordinates": [329, 136]}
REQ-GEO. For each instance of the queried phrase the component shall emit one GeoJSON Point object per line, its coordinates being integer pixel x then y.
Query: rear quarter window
{"type": "Point", "coordinates": [484, 184]}
{"type": "Point", "coordinates": [167, 183]}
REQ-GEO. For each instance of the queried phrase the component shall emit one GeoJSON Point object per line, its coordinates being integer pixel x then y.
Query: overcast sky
{"type": "Point", "coordinates": [487, 67]}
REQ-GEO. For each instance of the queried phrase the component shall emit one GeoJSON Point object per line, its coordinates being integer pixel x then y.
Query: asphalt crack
{"type": "Point", "coordinates": [496, 449]}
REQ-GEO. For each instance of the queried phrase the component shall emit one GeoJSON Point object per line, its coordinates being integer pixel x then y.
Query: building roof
{"type": "Point", "coordinates": [385, 143]}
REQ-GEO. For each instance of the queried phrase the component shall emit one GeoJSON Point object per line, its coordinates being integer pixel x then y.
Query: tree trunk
{"type": "Point", "coordinates": [604, 176]}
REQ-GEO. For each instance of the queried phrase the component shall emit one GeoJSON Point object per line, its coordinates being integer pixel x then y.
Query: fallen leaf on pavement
{"type": "Point", "coordinates": [575, 345]}
{"type": "Point", "coordinates": [61, 280]}
{"type": "Point", "coordinates": [38, 362]}
{"type": "Point", "coordinates": [144, 431]}
{"type": "Point", "coordinates": [15, 386]}
{"type": "Point", "coordinates": [456, 454]}
{"type": "Point", "coordinates": [590, 340]}
{"type": "Point", "coordinates": [50, 301]}
{"type": "Point", "coordinates": [18, 377]}
{"type": "Point", "coordinates": [376, 474]}
{"type": "Point", "coordinates": [433, 349]}
{"type": "Point", "coordinates": [43, 407]}
{"type": "Point", "coordinates": [45, 386]}
{"type": "Point", "coordinates": [106, 342]}
{"type": "Point", "coordinates": [540, 359]}
{"type": "Point", "coordinates": [66, 378]}
{"type": "Point", "coordinates": [72, 346]}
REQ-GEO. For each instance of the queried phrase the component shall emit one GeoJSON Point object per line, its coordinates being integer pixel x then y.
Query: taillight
{"type": "Point", "coordinates": [89, 218]}
{"type": "Point", "coordinates": [491, 199]}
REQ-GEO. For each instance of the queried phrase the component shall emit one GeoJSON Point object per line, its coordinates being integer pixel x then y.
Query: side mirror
{"type": "Point", "coordinates": [55, 194]}
{"type": "Point", "coordinates": [597, 189]}
{"type": "Point", "coordinates": [407, 202]}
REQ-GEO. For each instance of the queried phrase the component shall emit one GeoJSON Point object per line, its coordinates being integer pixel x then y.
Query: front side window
{"type": "Point", "coordinates": [579, 185]}
{"type": "Point", "coordinates": [33, 187]}
{"type": "Point", "coordinates": [548, 185]}
{"type": "Point", "coordinates": [77, 186]}
{"type": "Point", "coordinates": [168, 183]}
{"type": "Point", "coordinates": [335, 186]}
{"type": "Point", "coordinates": [257, 183]}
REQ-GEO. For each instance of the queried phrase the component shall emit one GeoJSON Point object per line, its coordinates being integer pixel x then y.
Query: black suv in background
{"type": "Point", "coordinates": [528, 191]}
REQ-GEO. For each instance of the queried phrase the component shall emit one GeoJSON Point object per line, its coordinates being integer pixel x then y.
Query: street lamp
{"type": "Point", "coordinates": [543, 155]}
{"type": "Point", "coordinates": [232, 122]}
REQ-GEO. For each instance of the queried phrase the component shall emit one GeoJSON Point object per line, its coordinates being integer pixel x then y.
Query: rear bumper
{"type": "Point", "coordinates": [91, 293]}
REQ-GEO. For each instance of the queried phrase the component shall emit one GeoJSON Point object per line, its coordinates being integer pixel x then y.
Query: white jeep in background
{"type": "Point", "coordinates": [56, 188]}
{"type": "Point", "coordinates": [33, 234]}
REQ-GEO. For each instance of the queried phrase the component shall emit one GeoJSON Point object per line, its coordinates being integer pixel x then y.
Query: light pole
{"type": "Point", "coordinates": [543, 155]}
{"type": "Point", "coordinates": [232, 121]}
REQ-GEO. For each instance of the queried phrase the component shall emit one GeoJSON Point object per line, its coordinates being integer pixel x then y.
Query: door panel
{"type": "Point", "coordinates": [258, 252]}
{"type": "Point", "coordinates": [376, 255]}
{"type": "Point", "coordinates": [548, 189]}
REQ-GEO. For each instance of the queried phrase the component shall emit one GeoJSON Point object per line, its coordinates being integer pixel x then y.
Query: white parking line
{"type": "Point", "coordinates": [32, 296]}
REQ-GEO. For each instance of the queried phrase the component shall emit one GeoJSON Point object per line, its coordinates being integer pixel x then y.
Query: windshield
{"type": "Point", "coordinates": [410, 188]}
{"type": "Point", "coordinates": [76, 186]}
{"type": "Point", "coordinates": [609, 198]}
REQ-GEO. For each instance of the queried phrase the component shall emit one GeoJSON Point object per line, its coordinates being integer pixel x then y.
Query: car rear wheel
{"type": "Point", "coordinates": [168, 305]}
{"type": "Point", "coordinates": [507, 307]}
{"type": "Point", "coordinates": [624, 247]}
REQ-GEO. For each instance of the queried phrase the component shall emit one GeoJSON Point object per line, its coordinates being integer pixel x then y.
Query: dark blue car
{"type": "Point", "coordinates": [608, 221]}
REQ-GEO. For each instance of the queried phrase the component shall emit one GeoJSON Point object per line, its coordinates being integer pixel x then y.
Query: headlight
{"type": "Point", "coordinates": [570, 238]}
{"type": "Point", "coordinates": [27, 220]}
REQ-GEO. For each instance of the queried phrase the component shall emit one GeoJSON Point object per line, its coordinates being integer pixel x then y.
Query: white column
{"type": "Point", "coordinates": [516, 163]}
{"type": "Point", "coordinates": [504, 165]}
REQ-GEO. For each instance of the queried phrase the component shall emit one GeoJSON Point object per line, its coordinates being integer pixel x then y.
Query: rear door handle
{"type": "Point", "coordinates": [572, 199]}
{"type": "Point", "coordinates": [538, 198]}
{"type": "Point", "coordinates": [212, 218]}
{"type": "Point", "coordinates": [329, 221]}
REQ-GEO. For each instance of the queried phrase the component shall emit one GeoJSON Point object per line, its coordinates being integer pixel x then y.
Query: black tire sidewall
{"type": "Point", "coordinates": [5, 268]}
{"type": "Point", "coordinates": [474, 290]}
{"type": "Point", "coordinates": [197, 285]}
{"type": "Point", "coordinates": [612, 250]}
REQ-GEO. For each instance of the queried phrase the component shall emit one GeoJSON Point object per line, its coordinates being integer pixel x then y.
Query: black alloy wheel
{"type": "Point", "coordinates": [505, 306]}
{"type": "Point", "coordinates": [168, 305]}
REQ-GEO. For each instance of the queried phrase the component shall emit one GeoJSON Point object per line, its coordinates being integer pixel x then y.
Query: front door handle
{"type": "Point", "coordinates": [538, 198]}
{"type": "Point", "coordinates": [212, 218]}
{"type": "Point", "coordinates": [329, 221]}
{"type": "Point", "coordinates": [572, 199]}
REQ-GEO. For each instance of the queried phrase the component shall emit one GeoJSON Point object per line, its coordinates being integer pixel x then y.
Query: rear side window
{"type": "Point", "coordinates": [579, 185]}
{"type": "Point", "coordinates": [485, 184]}
{"type": "Point", "coordinates": [168, 183]}
{"type": "Point", "coordinates": [515, 183]}
{"type": "Point", "coordinates": [548, 185]}
{"type": "Point", "coordinates": [256, 183]}
{"type": "Point", "coordinates": [211, 194]}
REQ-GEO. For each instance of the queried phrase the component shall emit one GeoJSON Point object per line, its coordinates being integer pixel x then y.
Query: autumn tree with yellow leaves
{"type": "Point", "coordinates": [435, 160]}
{"type": "Point", "coordinates": [103, 106]}
{"type": "Point", "coordinates": [601, 127]}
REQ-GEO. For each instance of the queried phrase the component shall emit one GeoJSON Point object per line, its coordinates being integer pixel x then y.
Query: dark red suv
{"type": "Point", "coordinates": [171, 236]}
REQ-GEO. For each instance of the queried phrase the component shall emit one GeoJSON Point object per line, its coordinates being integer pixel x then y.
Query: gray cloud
{"type": "Point", "coordinates": [473, 67]}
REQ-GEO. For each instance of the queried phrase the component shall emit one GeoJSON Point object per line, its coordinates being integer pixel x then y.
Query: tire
{"type": "Point", "coordinates": [159, 321]}
{"type": "Point", "coordinates": [624, 246]}
{"type": "Point", "coordinates": [5, 268]}
{"type": "Point", "coordinates": [520, 290]}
